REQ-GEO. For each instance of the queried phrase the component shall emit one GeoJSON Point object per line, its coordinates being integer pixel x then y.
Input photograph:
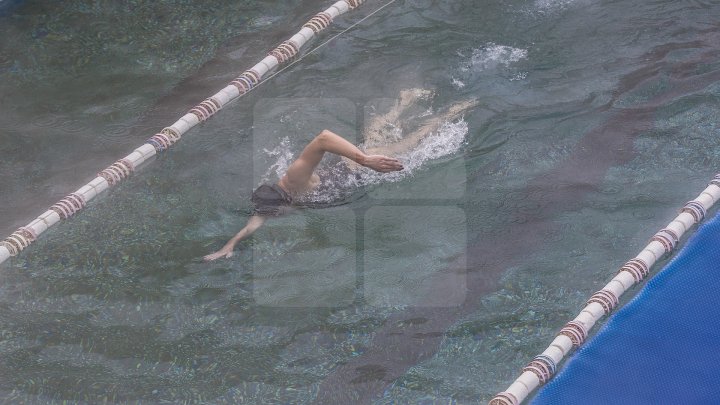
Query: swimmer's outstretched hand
{"type": "Point", "coordinates": [381, 163]}
{"type": "Point", "coordinates": [224, 252]}
{"type": "Point", "coordinates": [253, 224]}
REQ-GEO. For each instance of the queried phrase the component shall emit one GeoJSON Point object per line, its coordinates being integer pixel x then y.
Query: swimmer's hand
{"type": "Point", "coordinates": [253, 224]}
{"type": "Point", "coordinates": [224, 252]}
{"type": "Point", "coordinates": [381, 163]}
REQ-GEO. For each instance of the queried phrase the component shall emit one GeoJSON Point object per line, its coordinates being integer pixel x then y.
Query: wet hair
{"type": "Point", "coordinates": [270, 200]}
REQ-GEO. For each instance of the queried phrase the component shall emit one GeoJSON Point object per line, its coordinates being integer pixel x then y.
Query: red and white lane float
{"type": "Point", "coordinates": [123, 168]}
{"type": "Point", "coordinates": [542, 368]}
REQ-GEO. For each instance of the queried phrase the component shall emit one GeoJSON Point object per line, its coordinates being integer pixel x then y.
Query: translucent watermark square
{"type": "Point", "coordinates": [334, 257]}
{"type": "Point", "coordinates": [415, 256]}
{"type": "Point", "coordinates": [306, 260]}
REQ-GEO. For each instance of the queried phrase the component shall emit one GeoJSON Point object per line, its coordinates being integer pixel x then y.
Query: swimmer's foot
{"type": "Point", "coordinates": [409, 96]}
{"type": "Point", "coordinates": [458, 109]}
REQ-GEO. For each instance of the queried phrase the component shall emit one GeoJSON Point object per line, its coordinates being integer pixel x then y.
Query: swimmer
{"type": "Point", "coordinates": [272, 200]}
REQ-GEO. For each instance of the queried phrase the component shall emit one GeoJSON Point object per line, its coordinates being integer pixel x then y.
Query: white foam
{"type": "Point", "coordinates": [541, 8]}
{"type": "Point", "coordinates": [338, 182]}
{"type": "Point", "coordinates": [457, 83]}
{"type": "Point", "coordinates": [492, 56]}
{"type": "Point", "coordinates": [446, 141]}
{"type": "Point", "coordinates": [490, 59]}
{"type": "Point", "coordinates": [284, 156]}
{"type": "Point", "coordinates": [552, 5]}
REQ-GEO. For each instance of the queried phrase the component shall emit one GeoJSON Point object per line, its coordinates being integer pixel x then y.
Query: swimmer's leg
{"type": "Point", "coordinates": [431, 125]}
{"type": "Point", "coordinates": [376, 131]}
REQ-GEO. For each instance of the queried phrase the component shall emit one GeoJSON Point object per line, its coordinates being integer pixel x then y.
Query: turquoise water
{"type": "Point", "coordinates": [597, 121]}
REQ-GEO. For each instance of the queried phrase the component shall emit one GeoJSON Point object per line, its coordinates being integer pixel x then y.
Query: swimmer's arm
{"type": "Point", "coordinates": [254, 223]}
{"type": "Point", "coordinates": [333, 143]}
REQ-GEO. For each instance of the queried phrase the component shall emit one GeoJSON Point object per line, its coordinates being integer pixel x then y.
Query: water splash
{"type": "Point", "coordinates": [339, 183]}
{"type": "Point", "coordinates": [545, 6]}
{"type": "Point", "coordinates": [447, 140]}
{"type": "Point", "coordinates": [283, 158]}
{"type": "Point", "coordinates": [457, 83]}
{"type": "Point", "coordinates": [490, 57]}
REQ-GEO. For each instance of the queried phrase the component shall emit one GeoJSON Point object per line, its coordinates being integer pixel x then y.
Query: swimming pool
{"type": "Point", "coordinates": [597, 121]}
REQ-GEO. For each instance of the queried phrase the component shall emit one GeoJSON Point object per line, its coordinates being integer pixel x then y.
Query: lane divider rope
{"type": "Point", "coordinates": [168, 136]}
{"type": "Point", "coordinates": [543, 367]}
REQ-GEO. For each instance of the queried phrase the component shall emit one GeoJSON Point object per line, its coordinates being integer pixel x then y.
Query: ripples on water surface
{"type": "Point", "coordinates": [597, 121]}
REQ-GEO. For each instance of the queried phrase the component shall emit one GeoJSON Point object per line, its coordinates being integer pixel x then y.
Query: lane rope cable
{"type": "Point", "coordinates": [283, 54]}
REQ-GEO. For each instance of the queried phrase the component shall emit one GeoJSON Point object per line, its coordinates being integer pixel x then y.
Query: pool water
{"type": "Point", "coordinates": [597, 121]}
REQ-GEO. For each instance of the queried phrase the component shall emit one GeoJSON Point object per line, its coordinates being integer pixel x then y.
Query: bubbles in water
{"type": "Point", "coordinates": [447, 140]}
{"type": "Point", "coordinates": [518, 76]}
{"type": "Point", "coordinates": [490, 57]}
{"type": "Point", "coordinates": [457, 83]}
{"type": "Point", "coordinates": [552, 5]}
{"type": "Point", "coordinates": [541, 8]}
{"type": "Point", "coordinates": [284, 159]}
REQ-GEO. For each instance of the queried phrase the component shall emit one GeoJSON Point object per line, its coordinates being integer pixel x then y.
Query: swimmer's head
{"type": "Point", "coordinates": [271, 200]}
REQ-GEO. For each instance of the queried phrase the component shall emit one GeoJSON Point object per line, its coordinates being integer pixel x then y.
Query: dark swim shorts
{"type": "Point", "coordinates": [269, 200]}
